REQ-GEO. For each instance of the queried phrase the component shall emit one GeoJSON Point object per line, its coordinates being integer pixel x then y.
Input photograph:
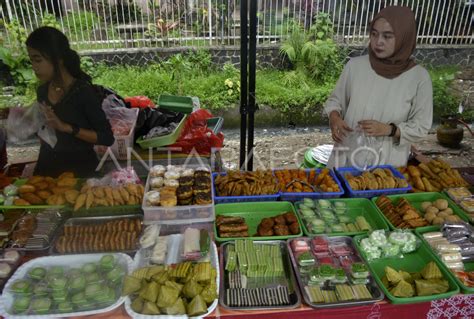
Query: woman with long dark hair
{"type": "Point", "coordinates": [71, 105]}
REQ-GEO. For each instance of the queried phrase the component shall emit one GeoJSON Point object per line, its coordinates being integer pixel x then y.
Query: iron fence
{"type": "Point", "coordinates": [112, 24]}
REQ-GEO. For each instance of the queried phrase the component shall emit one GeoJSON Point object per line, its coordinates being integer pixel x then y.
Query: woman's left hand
{"type": "Point", "coordinates": [375, 128]}
{"type": "Point", "coordinates": [52, 120]}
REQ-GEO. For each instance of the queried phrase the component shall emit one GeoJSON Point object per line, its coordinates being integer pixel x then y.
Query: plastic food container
{"type": "Point", "coordinates": [254, 213]}
{"type": "Point", "coordinates": [176, 103]}
{"type": "Point", "coordinates": [163, 140]}
{"type": "Point", "coordinates": [458, 193]}
{"type": "Point", "coordinates": [371, 193]}
{"type": "Point", "coordinates": [178, 214]}
{"type": "Point", "coordinates": [314, 195]}
{"type": "Point", "coordinates": [412, 262]}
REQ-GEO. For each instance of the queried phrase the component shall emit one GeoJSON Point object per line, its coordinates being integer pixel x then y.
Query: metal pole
{"type": "Point", "coordinates": [252, 80]}
{"type": "Point", "coordinates": [209, 18]}
{"type": "Point", "coordinates": [9, 11]}
{"type": "Point", "coordinates": [243, 81]}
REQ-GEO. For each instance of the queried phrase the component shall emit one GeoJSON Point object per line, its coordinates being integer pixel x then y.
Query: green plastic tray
{"type": "Point", "coordinates": [183, 104]}
{"type": "Point", "coordinates": [355, 207]}
{"type": "Point", "coordinates": [19, 182]}
{"type": "Point", "coordinates": [467, 266]}
{"type": "Point", "coordinates": [413, 262]}
{"type": "Point", "coordinates": [163, 140]}
{"type": "Point", "coordinates": [253, 213]}
{"type": "Point", "coordinates": [416, 199]}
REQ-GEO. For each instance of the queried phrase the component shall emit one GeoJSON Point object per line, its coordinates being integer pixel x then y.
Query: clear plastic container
{"type": "Point", "coordinates": [178, 214]}
{"type": "Point", "coordinates": [458, 193]}
{"type": "Point", "coordinates": [468, 205]}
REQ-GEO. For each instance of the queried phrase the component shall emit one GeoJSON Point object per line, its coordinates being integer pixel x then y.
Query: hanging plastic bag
{"type": "Point", "coordinates": [120, 117]}
{"type": "Point", "coordinates": [197, 136]}
{"type": "Point", "coordinates": [363, 151]}
{"type": "Point", "coordinates": [23, 123]}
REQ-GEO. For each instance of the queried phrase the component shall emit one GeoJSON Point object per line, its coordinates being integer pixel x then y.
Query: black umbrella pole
{"type": "Point", "coordinates": [243, 82]}
{"type": "Point", "coordinates": [252, 81]}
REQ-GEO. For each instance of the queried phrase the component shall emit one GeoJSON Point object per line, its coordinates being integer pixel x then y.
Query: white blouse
{"type": "Point", "coordinates": [407, 101]}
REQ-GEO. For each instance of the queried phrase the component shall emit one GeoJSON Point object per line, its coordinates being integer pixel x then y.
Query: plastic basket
{"type": "Point", "coordinates": [183, 104]}
{"type": "Point", "coordinates": [371, 193]}
{"type": "Point", "coordinates": [253, 214]}
{"type": "Point", "coordinates": [416, 199]}
{"type": "Point", "coordinates": [355, 207]}
{"type": "Point", "coordinates": [293, 197]}
{"type": "Point", "coordinates": [121, 144]}
{"type": "Point", "coordinates": [412, 262]}
{"type": "Point", "coordinates": [238, 199]}
{"type": "Point", "coordinates": [468, 266]}
{"type": "Point", "coordinates": [163, 140]}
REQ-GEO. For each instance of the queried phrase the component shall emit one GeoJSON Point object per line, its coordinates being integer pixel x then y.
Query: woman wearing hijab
{"type": "Point", "coordinates": [385, 93]}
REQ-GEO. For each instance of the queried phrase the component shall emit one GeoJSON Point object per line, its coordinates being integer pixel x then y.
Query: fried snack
{"type": "Point", "coordinates": [374, 180]}
{"type": "Point", "coordinates": [35, 179]}
{"type": "Point", "coordinates": [44, 195]}
{"type": "Point", "coordinates": [433, 176]}
{"type": "Point", "coordinates": [80, 201]}
{"type": "Point", "coordinates": [67, 182]}
{"type": "Point", "coordinates": [89, 199]}
{"type": "Point", "coordinates": [401, 215]}
{"type": "Point", "coordinates": [281, 230]}
{"type": "Point", "coordinates": [229, 228]}
{"type": "Point", "coordinates": [41, 185]}
{"type": "Point", "coordinates": [32, 198]}
{"type": "Point", "coordinates": [237, 183]}
{"type": "Point", "coordinates": [66, 175]}
{"type": "Point", "coordinates": [221, 220]}
{"type": "Point", "coordinates": [236, 234]}
{"type": "Point", "coordinates": [99, 192]}
{"type": "Point", "coordinates": [23, 189]}
{"type": "Point", "coordinates": [56, 200]}
{"type": "Point", "coordinates": [121, 234]}
{"type": "Point", "coordinates": [264, 232]}
{"type": "Point", "coordinates": [303, 181]}
{"type": "Point", "coordinates": [21, 202]}
{"type": "Point", "coordinates": [71, 196]}
{"type": "Point", "coordinates": [60, 190]}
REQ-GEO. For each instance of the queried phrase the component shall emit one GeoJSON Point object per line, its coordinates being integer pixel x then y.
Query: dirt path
{"type": "Point", "coordinates": [283, 147]}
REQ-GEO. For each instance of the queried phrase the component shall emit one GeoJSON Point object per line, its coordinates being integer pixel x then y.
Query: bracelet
{"type": "Point", "coordinates": [394, 130]}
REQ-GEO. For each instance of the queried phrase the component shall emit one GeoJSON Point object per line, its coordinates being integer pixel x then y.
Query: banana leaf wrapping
{"type": "Point", "coordinates": [403, 290]}
{"type": "Point", "coordinates": [431, 287]}
{"type": "Point", "coordinates": [167, 296]}
{"type": "Point", "coordinates": [392, 275]}
{"type": "Point", "coordinates": [197, 306]}
{"type": "Point", "coordinates": [178, 308]}
{"type": "Point", "coordinates": [431, 271]}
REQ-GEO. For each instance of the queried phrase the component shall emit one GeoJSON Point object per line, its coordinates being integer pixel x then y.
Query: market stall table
{"type": "Point", "coordinates": [459, 306]}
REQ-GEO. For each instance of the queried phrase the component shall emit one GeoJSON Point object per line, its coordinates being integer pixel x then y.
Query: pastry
{"type": "Point", "coordinates": [11, 256]}
{"type": "Point", "coordinates": [184, 192]}
{"type": "Point", "coordinates": [153, 198]}
{"type": "Point", "coordinates": [149, 236]}
{"type": "Point", "coordinates": [203, 198]}
{"type": "Point", "coordinates": [168, 190]}
{"type": "Point", "coordinates": [157, 171]}
{"type": "Point", "coordinates": [201, 189]}
{"type": "Point", "coordinates": [171, 183]}
{"type": "Point", "coordinates": [186, 181]}
{"type": "Point", "coordinates": [185, 202]}
{"type": "Point", "coordinates": [171, 175]}
{"type": "Point", "coordinates": [187, 173]}
{"type": "Point", "coordinates": [156, 182]}
{"type": "Point", "coordinates": [168, 200]}
{"type": "Point", "coordinates": [5, 270]}
{"type": "Point", "coordinates": [202, 180]}
{"type": "Point", "coordinates": [202, 169]}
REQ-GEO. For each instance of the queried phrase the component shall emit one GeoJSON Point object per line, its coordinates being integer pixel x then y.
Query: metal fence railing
{"type": "Point", "coordinates": [111, 24]}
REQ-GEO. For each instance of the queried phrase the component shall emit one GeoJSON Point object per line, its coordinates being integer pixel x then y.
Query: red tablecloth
{"type": "Point", "coordinates": [460, 306]}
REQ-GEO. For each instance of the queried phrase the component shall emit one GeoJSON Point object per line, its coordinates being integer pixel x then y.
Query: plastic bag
{"type": "Point", "coordinates": [362, 151]}
{"type": "Point", "coordinates": [121, 118]}
{"type": "Point", "coordinates": [116, 178]}
{"type": "Point", "coordinates": [23, 123]}
{"type": "Point", "coordinates": [197, 136]}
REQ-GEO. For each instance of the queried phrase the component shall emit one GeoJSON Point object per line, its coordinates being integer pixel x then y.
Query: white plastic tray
{"type": "Point", "coordinates": [139, 261]}
{"type": "Point", "coordinates": [6, 299]}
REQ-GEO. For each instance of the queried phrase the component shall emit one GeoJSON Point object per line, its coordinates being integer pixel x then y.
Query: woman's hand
{"type": "Point", "coordinates": [53, 121]}
{"type": "Point", "coordinates": [375, 128]}
{"type": "Point", "coordinates": [339, 128]}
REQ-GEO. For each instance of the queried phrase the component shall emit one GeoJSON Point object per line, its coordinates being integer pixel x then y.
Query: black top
{"type": "Point", "coordinates": [82, 107]}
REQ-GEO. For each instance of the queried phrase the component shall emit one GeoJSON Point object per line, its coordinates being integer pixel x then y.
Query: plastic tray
{"type": "Point", "coordinates": [371, 193]}
{"type": "Point", "coordinates": [413, 262]}
{"type": "Point", "coordinates": [92, 221]}
{"type": "Point", "coordinates": [163, 140]}
{"type": "Point", "coordinates": [355, 207]}
{"type": "Point", "coordinates": [183, 104]}
{"type": "Point", "coordinates": [416, 199]}
{"type": "Point", "coordinates": [468, 266]}
{"type": "Point", "coordinates": [178, 214]}
{"type": "Point", "coordinates": [253, 214]}
{"type": "Point", "coordinates": [67, 261]}
{"type": "Point", "coordinates": [292, 197]}
{"type": "Point", "coordinates": [295, 297]}
{"type": "Point", "coordinates": [119, 210]}
{"type": "Point", "coordinates": [240, 199]}
{"type": "Point", "coordinates": [372, 286]}
{"type": "Point", "coordinates": [214, 258]}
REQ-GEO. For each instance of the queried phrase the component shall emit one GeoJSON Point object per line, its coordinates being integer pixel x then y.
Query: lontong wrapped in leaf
{"type": "Point", "coordinates": [167, 297]}
{"type": "Point", "coordinates": [191, 289]}
{"type": "Point", "coordinates": [431, 286]}
{"type": "Point", "coordinates": [403, 289]}
{"type": "Point", "coordinates": [197, 306]}
{"type": "Point", "coordinates": [130, 285]}
{"type": "Point", "coordinates": [178, 308]}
